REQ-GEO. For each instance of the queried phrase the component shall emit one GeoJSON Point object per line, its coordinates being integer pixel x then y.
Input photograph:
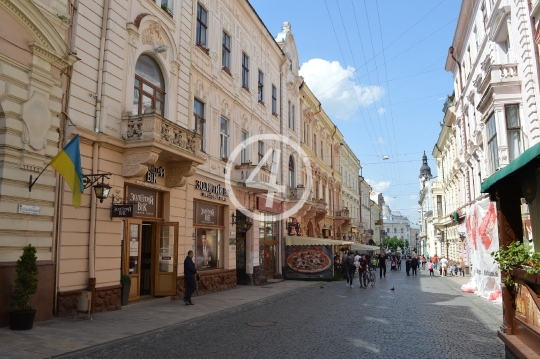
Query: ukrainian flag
{"type": "Point", "coordinates": [68, 163]}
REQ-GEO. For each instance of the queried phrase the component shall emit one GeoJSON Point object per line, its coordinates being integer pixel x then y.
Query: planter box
{"type": "Point", "coordinates": [520, 273]}
{"type": "Point", "coordinates": [21, 319]}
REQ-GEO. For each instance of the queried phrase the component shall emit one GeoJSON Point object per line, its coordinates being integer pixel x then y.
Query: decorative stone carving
{"type": "Point", "coordinates": [37, 120]}
{"type": "Point", "coordinates": [177, 173]}
{"type": "Point", "coordinates": [136, 163]}
{"type": "Point", "coordinates": [153, 35]}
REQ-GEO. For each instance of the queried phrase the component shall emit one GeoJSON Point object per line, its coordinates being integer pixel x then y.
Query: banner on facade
{"type": "Point", "coordinates": [482, 239]}
{"type": "Point", "coordinates": [309, 261]}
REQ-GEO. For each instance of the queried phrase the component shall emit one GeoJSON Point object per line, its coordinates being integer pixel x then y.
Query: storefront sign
{"type": "Point", "coordinates": [211, 190]}
{"type": "Point", "coordinates": [206, 213]}
{"type": "Point", "coordinates": [274, 207]}
{"type": "Point", "coordinates": [154, 172]}
{"type": "Point", "coordinates": [28, 209]}
{"type": "Point", "coordinates": [145, 200]}
{"type": "Point", "coordinates": [122, 210]}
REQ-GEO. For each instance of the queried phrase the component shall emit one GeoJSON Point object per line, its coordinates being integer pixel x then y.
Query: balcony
{"type": "Point", "coordinates": [257, 180]}
{"type": "Point", "coordinates": [298, 194]}
{"type": "Point", "coordinates": [341, 217]}
{"type": "Point", "coordinates": [502, 76]}
{"type": "Point", "coordinates": [150, 137]}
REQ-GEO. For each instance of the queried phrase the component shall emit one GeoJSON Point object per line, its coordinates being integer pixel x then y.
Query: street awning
{"type": "Point", "coordinates": [363, 247]}
{"type": "Point", "coordinates": [524, 159]}
{"type": "Point", "coordinates": [310, 241]}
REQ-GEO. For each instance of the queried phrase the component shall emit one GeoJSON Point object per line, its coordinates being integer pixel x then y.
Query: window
{"type": "Point", "coordinates": [506, 48]}
{"type": "Point", "coordinates": [149, 86]}
{"type": "Point", "coordinates": [493, 148]}
{"type": "Point", "coordinates": [245, 71]}
{"type": "Point", "coordinates": [322, 152]}
{"type": "Point", "coordinates": [244, 157]}
{"type": "Point", "coordinates": [513, 128]}
{"type": "Point", "coordinates": [315, 144]}
{"type": "Point", "coordinates": [274, 100]}
{"type": "Point", "coordinates": [200, 31]}
{"type": "Point", "coordinates": [317, 190]}
{"type": "Point", "coordinates": [439, 206]}
{"type": "Point", "coordinates": [224, 138]}
{"type": "Point", "coordinates": [260, 147]}
{"type": "Point", "coordinates": [226, 52]}
{"type": "Point", "coordinates": [291, 172]}
{"type": "Point", "coordinates": [292, 120]}
{"type": "Point", "coordinates": [260, 87]}
{"type": "Point", "coordinates": [168, 5]}
{"type": "Point", "coordinates": [395, 230]}
{"type": "Point", "coordinates": [200, 122]}
{"type": "Point", "coordinates": [484, 14]}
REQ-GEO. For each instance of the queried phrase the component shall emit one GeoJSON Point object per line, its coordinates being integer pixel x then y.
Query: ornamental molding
{"type": "Point", "coordinates": [136, 163]}
{"type": "Point", "coordinates": [177, 173]}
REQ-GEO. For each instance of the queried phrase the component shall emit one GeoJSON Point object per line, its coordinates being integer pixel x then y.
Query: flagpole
{"type": "Point", "coordinates": [30, 183]}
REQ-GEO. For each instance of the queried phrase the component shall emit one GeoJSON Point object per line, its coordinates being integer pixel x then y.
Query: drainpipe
{"type": "Point", "coordinates": [451, 51]}
{"type": "Point", "coordinates": [105, 18]}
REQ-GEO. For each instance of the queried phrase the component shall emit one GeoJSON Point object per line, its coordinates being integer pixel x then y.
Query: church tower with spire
{"type": "Point", "coordinates": [425, 171]}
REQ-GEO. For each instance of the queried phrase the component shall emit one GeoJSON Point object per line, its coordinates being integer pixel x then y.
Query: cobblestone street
{"type": "Point", "coordinates": [422, 315]}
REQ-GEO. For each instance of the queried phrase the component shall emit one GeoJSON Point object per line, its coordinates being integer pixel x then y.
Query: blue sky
{"type": "Point", "coordinates": [377, 66]}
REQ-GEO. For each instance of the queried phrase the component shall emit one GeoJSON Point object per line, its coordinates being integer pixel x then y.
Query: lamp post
{"type": "Point", "coordinates": [101, 189]}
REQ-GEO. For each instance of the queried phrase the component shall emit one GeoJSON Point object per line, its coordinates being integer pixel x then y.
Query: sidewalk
{"type": "Point", "coordinates": [63, 335]}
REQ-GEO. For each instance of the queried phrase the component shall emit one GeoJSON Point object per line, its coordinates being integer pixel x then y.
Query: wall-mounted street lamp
{"type": "Point", "coordinates": [242, 222]}
{"type": "Point", "coordinates": [101, 189]}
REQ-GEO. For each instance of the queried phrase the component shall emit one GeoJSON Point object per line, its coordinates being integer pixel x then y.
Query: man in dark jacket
{"type": "Point", "coordinates": [414, 264]}
{"type": "Point", "coordinates": [351, 268]}
{"type": "Point", "coordinates": [382, 263]}
{"type": "Point", "coordinates": [189, 273]}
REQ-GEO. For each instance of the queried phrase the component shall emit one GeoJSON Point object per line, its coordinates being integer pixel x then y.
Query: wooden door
{"type": "Point", "coordinates": [132, 255]}
{"type": "Point", "coordinates": [165, 258]}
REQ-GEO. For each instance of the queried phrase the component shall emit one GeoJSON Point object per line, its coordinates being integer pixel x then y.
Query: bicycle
{"type": "Point", "coordinates": [369, 277]}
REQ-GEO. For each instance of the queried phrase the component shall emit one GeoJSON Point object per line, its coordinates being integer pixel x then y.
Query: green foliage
{"type": "Point", "coordinates": [515, 255]}
{"type": "Point", "coordinates": [394, 243]}
{"type": "Point", "coordinates": [124, 278]}
{"type": "Point", "coordinates": [27, 281]}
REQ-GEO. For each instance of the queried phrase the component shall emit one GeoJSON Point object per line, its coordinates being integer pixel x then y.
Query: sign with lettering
{"type": "Point", "coordinates": [211, 190]}
{"type": "Point", "coordinates": [28, 209]}
{"type": "Point", "coordinates": [145, 201]}
{"type": "Point", "coordinates": [208, 214]}
{"type": "Point", "coordinates": [122, 210]}
{"type": "Point", "coordinates": [154, 172]}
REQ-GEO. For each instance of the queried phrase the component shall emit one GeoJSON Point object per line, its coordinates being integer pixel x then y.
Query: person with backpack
{"type": "Point", "coordinates": [430, 268]}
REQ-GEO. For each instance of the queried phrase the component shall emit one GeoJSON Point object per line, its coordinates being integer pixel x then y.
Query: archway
{"type": "Point", "coordinates": [310, 230]}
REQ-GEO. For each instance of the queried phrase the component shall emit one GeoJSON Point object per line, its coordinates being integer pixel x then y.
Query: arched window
{"type": "Point", "coordinates": [149, 86]}
{"type": "Point", "coordinates": [291, 172]}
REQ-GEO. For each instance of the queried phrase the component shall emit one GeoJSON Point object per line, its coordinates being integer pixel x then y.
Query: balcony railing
{"type": "Point", "coordinates": [250, 177]}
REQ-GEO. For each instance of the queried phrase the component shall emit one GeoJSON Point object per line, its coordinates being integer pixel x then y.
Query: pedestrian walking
{"type": "Point", "coordinates": [374, 263]}
{"type": "Point", "coordinates": [460, 267]}
{"type": "Point", "coordinates": [435, 261]}
{"type": "Point", "coordinates": [408, 265]}
{"type": "Point", "coordinates": [362, 268]}
{"type": "Point", "coordinates": [351, 268]}
{"type": "Point", "coordinates": [399, 262]}
{"type": "Point", "coordinates": [444, 266]}
{"type": "Point", "coordinates": [414, 264]}
{"type": "Point", "coordinates": [382, 260]}
{"type": "Point", "coordinates": [189, 274]}
{"type": "Point", "coordinates": [424, 261]}
{"type": "Point", "coordinates": [430, 268]}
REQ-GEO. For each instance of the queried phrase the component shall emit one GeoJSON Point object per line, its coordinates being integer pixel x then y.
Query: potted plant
{"type": "Point", "coordinates": [26, 284]}
{"type": "Point", "coordinates": [125, 280]}
{"type": "Point", "coordinates": [513, 257]}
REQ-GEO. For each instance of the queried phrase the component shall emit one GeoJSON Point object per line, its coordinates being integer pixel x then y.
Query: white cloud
{"type": "Point", "coordinates": [381, 110]}
{"type": "Point", "coordinates": [381, 141]}
{"type": "Point", "coordinates": [336, 88]}
{"type": "Point", "coordinates": [378, 186]}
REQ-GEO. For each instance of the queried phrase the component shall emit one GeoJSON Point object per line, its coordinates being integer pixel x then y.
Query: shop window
{"type": "Point", "coordinates": [209, 235]}
{"type": "Point", "coordinates": [513, 128]}
{"type": "Point", "coordinates": [224, 139]}
{"type": "Point", "coordinates": [149, 87]}
{"type": "Point", "coordinates": [202, 27]}
{"type": "Point", "coordinates": [200, 121]}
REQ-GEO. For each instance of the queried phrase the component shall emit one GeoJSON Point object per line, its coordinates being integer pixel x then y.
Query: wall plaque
{"type": "Point", "coordinates": [208, 214]}
{"type": "Point", "coordinates": [28, 209]}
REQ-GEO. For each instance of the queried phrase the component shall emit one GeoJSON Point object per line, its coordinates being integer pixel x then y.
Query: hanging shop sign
{"type": "Point", "coordinates": [122, 210]}
{"type": "Point", "coordinates": [212, 191]}
{"type": "Point", "coordinates": [154, 172]}
{"type": "Point", "coordinates": [145, 201]}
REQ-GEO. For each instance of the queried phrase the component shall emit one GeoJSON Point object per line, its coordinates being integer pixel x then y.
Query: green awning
{"type": "Point", "coordinates": [524, 159]}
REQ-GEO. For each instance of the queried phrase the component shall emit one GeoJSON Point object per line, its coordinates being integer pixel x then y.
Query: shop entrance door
{"type": "Point", "coordinates": [241, 274]}
{"type": "Point", "coordinates": [165, 258]}
{"type": "Point", "coordinates": [131, 257]}
{"type": "Point", "coordinates": [146, 259]}
{"type": "Point", "coordinates": [268, 253]}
